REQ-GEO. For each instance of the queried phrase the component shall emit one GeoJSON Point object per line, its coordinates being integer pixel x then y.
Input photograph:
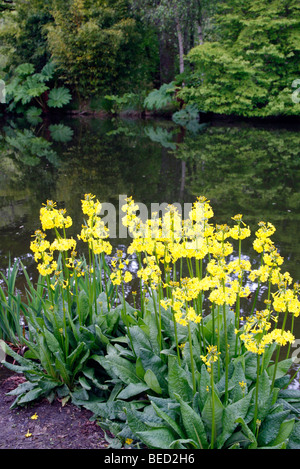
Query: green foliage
{"type": "Point", "coordinates": [27, 87]}
{"type": "Point", "coordinates": [159, 99]}
{"type": "Point", "coordinates": [23, 34]}
{"type": "Point", "coordinates": [59, 339]}
{"type": "Point", "coordinates": [28, 148]}
{"type": "Point", "coordinates": [59, 97]}
{"type": "Point", "coordinates": [116, 104]}
{"type": "Point", "coordinates": [100, 48]}
{"type": "Point", "coordinates": [250, 66]}
{"type": "Point", "coordinates": [61, 133]}
{"type": "Point", "coordinates": [10, 307]}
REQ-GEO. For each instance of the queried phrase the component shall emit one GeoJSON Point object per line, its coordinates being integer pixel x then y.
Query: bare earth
{"type": "Point", "coordinates": [56, 427]}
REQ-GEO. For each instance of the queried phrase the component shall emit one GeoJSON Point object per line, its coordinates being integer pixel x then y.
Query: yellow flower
{"type": "Point", "coordinates": [28, 434]}
{"type": "Point", "coordinates": [243, 385]}
{"type": "Point", "coordinates": [51, 217]}
{"type": "Point", "coordinates": [127, 277]}
{"type": "Point", "coordinates": [211, 357]}
{"type": "Point", "coordinates": [34, 416]}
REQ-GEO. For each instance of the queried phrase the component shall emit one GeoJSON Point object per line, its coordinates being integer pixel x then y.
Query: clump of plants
{"type": "Point", "coordinates": [32, 93]}
{"type": "Point", "coordinates": [184, 366]}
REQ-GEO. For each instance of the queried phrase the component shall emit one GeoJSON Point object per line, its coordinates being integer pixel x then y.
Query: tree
{"type": "Point", "coordinates": [99, 47]}
{"type": "Point", "coordinates": [6, 5]}
{"type": "Point", "coordinates": [250, 67]}
{"type": "Point", "coordinates": [182, 21]}
{"type": "Point", "coordinates": [23, 33]}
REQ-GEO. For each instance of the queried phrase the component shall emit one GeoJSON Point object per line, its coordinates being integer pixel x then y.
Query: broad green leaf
{"type": "Point", "coordinates": [139, 421]}
{"type": "Point", "coordinates": [213, 409]}
{"type": "Point", "coordinates": [294, 439]}
{"type": "Point", "coordinates": [248, 433]}
{"type": "Point", "coordinates": [59, 97]}
{"type": "Point", "coordinates": [118, 366]}
{"type": "Point", "coordinates": [47, 71]}
{"type": "Point", "coordinates": [157, 438]}
{"type": "Point", "coordinates": [169, 421]}
{"type": "Point", "coordinates": [52, 342]}
{"type": "Point", "coordinates": [270, 427]}
{"type": "Point", "coordinates": [33, 115]}
{"type": "Point", "coordinates": [76, 354]}
{"type": "Point", "coordinates": [24, 69]}
{"type": "Point", "coordinates": [61, 133]}
{"type": "Point", "coordinates": [284, 433]}
{"type": "Point", "coordinates": [103, 339]}
{"type": "Point", "coordinates": [133, 389]}
{"type": "Point", "coordinates": [281, 370]}
{"type": "Point", "coordinates": [30, 396]}
{"type": "Point", "coordinates": [152, 381]}
{"type": "Point", "coordinates": [193, 425]}
{"type": "Point", "coordinates": [178, 382]}
{"type": "Point", "coordinates": [63, 370]}
{"type": "Point", "coordinates": [139, 368]}
{"type": "Point", "coordinates": [251, 366]}
{"type": "Point", "coordinates": [232, 412]}
{"type": "Point", "coordinates": [84, 383]}
{"type": "Point", "coordinates": [158, 99]}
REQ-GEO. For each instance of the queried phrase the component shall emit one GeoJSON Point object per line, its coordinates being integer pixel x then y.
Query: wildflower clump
{"type": "Point", "coordinates": [203, 312]}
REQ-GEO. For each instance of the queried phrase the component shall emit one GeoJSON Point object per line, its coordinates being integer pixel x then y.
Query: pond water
{"type": "Point", "coordinates": [244, 167]}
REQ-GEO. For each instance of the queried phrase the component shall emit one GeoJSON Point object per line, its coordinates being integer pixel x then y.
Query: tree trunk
{"type": "Point", "coordinates": [200, 33]}
{"type": "Point", "coordinates": [167, 59]}
{"type": "Point", "coordinates": [180, 45]}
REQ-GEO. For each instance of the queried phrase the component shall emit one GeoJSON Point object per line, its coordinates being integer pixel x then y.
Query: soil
{"type": "Point", "coordinates": [56, 426]}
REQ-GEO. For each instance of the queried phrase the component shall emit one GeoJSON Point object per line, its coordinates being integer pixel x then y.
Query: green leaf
{"type": "Point", "coordinates": [133, 389]}
{"type": "Point", "coordinates": [139, 368]}
{"type": "Point", "coordinates": [47, 71]}
{"type": "Point", "coordinates": [271, 427]}
{"type": "Point", "coordinates": [248, 433]}
{"type": "Point", "coordinates": [24, 69]}
{"type": "Point", "coordinates": [152, 381]}
{"type": "Point", "coordinates": [63, 370]}
{"type": "Point", "coordinates": [284, 433]}
{"type": "Point", "coordinates": [31, 396]}
{"type": "Point", "coordinates": [103, 339]}
{"type": "Point", "coordinates": [77, 355]}
{"type": "Point", "coordinates": [178, 383]}
{"type": "Point", "coordinates": [59, 97]}
{"type": "Point", "coordinates": [251, 366]}
{"type": "Point", "coordinates": [294, 440]}
{"type": "Point", "coordinates": [213, 408]}
{"type": "Point", "coordinates": [169, 421]}
{"type": "Point", "coordinates": [193, 425]}
{"type": "Point", "coordinates": [61, 133]}
{"type": "Point", "coordinates": [157, 438]}
{"type": "Point", "coordinates": [282, 368]}
{"type": "Point", "coordinates": [118, 366]}
{"type": "Point", "coordinates": [84, 305]}
{"type": "Point", "coordinates": [231, 413]}
{"type": "Point", "coordinates": [52, 342]}
{"type": "Point", "coordinates": [33, 115]}
{"type": "Point", "coordinates": [158, 99]}
{"type": "Point", "coordinates": [84, 383]}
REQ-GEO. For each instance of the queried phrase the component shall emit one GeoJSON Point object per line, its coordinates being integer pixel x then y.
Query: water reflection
{"type": "Point", "coordinates": [241, 167]}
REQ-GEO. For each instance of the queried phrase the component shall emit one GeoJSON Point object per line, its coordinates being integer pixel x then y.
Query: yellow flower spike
{"type": "Point", "coordinates": [243, 385]}
{"type": "Point", "coordinates": [28, 434]}
{"type": "Point", "coordinates": [211, 356]}
{"type": "Point", "coordinates": [34, 416]}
